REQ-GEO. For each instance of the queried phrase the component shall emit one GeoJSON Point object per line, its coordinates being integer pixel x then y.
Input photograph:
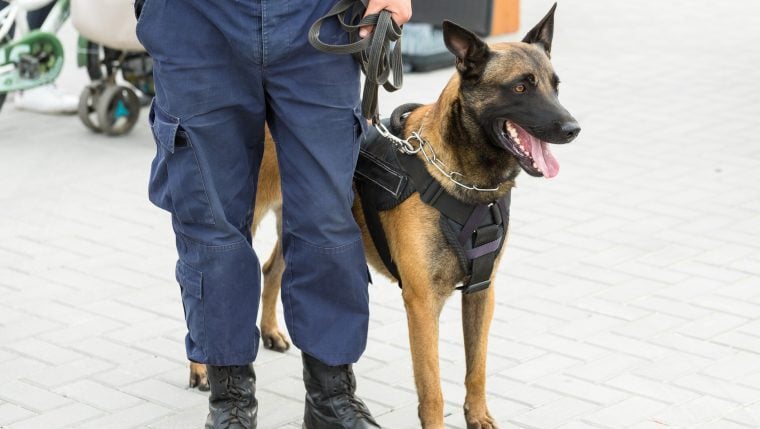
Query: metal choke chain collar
{"type": "Point", "coordinates": [405, 146]}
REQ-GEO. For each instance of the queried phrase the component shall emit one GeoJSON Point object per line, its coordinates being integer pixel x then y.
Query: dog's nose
{"type": "Point", "coordinates": [570, 130]}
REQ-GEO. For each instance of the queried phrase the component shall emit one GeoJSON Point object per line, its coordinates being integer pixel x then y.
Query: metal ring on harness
{"type": "Point", "coordinates": [378, 60]}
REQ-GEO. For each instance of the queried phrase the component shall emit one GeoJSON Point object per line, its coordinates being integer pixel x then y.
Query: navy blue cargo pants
{"type": "Point", "coordinates": [222, 69]}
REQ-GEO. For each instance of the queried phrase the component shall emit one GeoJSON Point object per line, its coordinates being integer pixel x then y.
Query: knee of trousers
{"type": "Point", "coordinates": [325, 299]}
{"type": "Point", "coordinates": [220, 287]}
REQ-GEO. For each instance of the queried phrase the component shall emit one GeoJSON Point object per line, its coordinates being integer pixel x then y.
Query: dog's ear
{"type": "Point", "coordinates": [472, 53]}
{"type": "Point", "coordinates": [543, 32]}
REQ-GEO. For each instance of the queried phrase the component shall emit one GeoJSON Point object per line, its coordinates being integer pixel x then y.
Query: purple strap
{"type": "Point", "coordinates": [483, 249]}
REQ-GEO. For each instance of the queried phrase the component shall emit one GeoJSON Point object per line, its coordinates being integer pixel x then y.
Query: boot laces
{"type": "Point", "coordinates": [345, 389]}
{"type": "Point", "coordinates": [238, 413]}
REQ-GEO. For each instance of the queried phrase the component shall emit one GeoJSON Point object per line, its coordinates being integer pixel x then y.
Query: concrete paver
{"type": "Point", "coordinates": [628, 297]}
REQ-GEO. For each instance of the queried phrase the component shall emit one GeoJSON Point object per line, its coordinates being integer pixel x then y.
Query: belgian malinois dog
{"type": "Point", "coordinates": [493, 119]}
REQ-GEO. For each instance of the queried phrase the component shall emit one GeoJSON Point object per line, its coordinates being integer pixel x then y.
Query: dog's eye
{"type": "Point", "coordinates": [519, 88]}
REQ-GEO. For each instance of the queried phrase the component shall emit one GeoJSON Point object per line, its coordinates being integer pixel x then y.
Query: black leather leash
{"type": "Point", "coordinates": [378, 59]}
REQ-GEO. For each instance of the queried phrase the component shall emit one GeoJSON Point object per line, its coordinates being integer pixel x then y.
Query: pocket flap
{"type": "Point", "coordinates": [190, 279]}
{"type": "Point", "coordinates": [164, 126]}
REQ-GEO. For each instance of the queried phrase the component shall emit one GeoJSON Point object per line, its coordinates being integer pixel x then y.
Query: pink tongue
{"type": "Point", "coordinates": [539, 151]}
{"type": "Point", "coordinates": [544, 159]}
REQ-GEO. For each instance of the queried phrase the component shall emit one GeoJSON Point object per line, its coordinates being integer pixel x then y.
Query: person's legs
{"type": "Point", "coordinates": [208, 120]}
{"type": "Point", "coordinates": [313, 113]}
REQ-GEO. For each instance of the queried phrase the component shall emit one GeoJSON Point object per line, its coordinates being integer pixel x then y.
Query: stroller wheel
{"type": "Point", "coordinates": [87, 105]}
{"type": "Point", "coordinates": [118, 109]}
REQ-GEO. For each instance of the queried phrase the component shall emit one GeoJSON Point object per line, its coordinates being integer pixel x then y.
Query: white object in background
{"type": "Point", "coordinates": [46, 99]}
{"type": "Point", "coordinates": [109, 23]}
{"type": "Point", "coordinates": [32, 4]}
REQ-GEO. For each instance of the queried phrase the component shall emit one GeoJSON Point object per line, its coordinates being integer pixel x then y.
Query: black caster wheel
{"type": "Point", "coordinates": [87, 106]}
{"type": "Point", "coordinates": [118, 109]}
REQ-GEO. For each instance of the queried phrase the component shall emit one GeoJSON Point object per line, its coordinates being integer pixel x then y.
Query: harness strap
{"type": "Point", "coordinates": [432, 193]}
{"type": "Point", "coordinates": [377, 233]}
{"type": "Point", "coordinates": [373, 172]}
{"type": "Point", "coordinates": [378, 60]}
{"type": "Point", "coordinates": [483, 233]}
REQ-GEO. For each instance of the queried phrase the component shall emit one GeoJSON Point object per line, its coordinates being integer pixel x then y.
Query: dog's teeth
{"type": "Point", "coordinates": [512, 131]}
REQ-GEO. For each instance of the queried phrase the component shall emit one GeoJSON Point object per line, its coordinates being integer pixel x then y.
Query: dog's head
{"type": "Point", "coordinates": [510, 90]}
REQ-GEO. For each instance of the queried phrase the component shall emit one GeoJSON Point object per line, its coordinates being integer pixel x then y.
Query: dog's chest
{"type": "Point", "coordinates": [468, 236]}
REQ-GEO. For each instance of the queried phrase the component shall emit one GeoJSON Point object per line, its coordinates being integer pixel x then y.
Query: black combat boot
{"type": "Point", "coordinates": [232, 403]}
{"type": "Point", "coordinates": [330, 399]}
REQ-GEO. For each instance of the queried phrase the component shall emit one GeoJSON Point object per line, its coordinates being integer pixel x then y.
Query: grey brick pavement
{"type": "Point", "coordinates": [629, 296]}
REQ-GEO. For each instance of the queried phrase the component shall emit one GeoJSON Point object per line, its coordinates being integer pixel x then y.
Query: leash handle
{"type": "Point", "coordinates": [379, 62]}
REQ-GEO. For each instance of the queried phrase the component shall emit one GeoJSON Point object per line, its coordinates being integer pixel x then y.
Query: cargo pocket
{"type": "Point", "coordinates": [191, 283]}
{"type": "Point", "coordinates": [177, 183]}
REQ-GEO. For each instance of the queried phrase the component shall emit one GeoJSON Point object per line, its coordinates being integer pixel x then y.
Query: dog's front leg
{"type": "Point", "coordinates": [477, 311]}
{"type": "Point", "coordinates": [422, 311]}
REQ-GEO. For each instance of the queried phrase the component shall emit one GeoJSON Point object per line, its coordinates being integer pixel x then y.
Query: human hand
{"type": "Point", "coordinates": [401, 11]}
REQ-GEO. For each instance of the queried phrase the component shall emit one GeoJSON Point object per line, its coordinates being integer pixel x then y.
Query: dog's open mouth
{"type": "Point", "coordinates": [532, 153]}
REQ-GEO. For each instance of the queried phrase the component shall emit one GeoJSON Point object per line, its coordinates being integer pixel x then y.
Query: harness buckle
{"type": "Point", "coordinates": [477, 287]}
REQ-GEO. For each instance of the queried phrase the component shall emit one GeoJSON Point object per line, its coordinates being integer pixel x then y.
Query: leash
{"type": "Point", "coordinates": [378, 60]}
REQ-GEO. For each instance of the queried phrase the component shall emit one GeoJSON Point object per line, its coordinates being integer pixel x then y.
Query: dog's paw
{"type": "Point", "coordinates": [198, 377]}
{"type": "Point", "coordinates": [486, 423]}
{"type": "Point", "coordinates": [275, 340]}
{"type": "Point", "coordinates": [479, 420]}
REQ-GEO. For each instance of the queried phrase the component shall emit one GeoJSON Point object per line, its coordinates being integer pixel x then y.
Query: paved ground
{"type": "Point", "coordinates": [629, 296]}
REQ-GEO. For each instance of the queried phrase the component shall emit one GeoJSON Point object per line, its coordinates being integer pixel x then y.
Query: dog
{"type": "Point", "coordinates": [493, 119]}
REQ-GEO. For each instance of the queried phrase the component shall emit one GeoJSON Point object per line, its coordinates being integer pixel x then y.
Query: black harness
{"type": "Point", "coordinates": [386, 177]}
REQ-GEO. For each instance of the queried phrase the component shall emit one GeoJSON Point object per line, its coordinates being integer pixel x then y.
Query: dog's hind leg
{"type": "Point", "coordinates": [423, 309]}
{"type": "Point", "coordinates": [477, 311]}
{"type": "Point", "coordinates": [273, 338]}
